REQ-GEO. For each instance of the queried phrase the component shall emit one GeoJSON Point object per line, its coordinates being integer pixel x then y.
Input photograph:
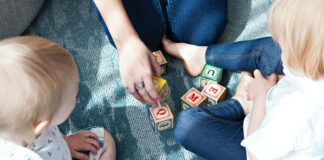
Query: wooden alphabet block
{"type": "Point", "coordinates": [161, 118]}
{"type": "Point", "coordinates": [162, 88]}
{"type": "Point", "coordinates": [214, 93]}
{"type": "Point", "coordinates": [210, 73]}
{"type": "Point", "coordinates": [193, 98]}
{"type": "Point", "coordinates": [161, 60]}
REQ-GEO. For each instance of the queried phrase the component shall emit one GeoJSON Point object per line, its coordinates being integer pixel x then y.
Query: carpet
{"type": "Point", "coordinates": [103, 101]}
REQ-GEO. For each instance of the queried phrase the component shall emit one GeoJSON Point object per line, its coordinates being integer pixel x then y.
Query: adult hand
{"type": "Point", "coordinates": [82, 141]}
{"type": "Point", "coordinates": [137, 65]}
{"type": "Point", "coordinates": [260, 85]}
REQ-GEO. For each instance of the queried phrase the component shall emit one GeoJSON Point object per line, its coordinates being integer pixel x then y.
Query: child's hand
{"type": "Point", "coordinates": [260, 85]}
{"type": "Point", "coordinates": [82, 141]}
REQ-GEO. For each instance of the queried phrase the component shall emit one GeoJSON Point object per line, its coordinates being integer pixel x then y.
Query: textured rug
{"type": "Point", "coordinates": [103, 101]}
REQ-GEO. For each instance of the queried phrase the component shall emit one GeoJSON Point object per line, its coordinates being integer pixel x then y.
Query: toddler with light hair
{"type": "Point", "coordinates": [38, 89]}
{"type": "Point", "coordinates": [286, 119]}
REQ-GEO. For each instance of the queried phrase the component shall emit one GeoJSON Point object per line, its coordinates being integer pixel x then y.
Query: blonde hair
{"type": "Point", "coordinates": [297, 25]}
{"type": "Point", "coordinates": [34, 72]}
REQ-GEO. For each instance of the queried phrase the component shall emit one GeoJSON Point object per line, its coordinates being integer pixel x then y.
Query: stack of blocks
{"type": "Point", "coordinates": [212, 92]}
{"type": "Point", "coordinates": [161, 116]}
{"type": "Point", "coordinates": [161, 60]}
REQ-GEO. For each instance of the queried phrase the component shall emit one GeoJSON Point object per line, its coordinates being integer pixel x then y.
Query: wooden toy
{"type": "Point", "coordinates": [161, 117]}
{"type": "Point", "coordinates": [193, 98]}
{"type": "Point", "coordinates": [162, 88]}
{"type": "Point", "coordinates": [210, 73]}
{"type": "Point", "coordinates": [161, 60]}
{"type": "Point", "coordinates": [214, 93]}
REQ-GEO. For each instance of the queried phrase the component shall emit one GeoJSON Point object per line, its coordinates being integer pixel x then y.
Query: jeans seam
{"type": "Point", "coordinates": [218, 108]}
{"type": "Point", "coordinates": [237, 108]}
{"type": "Point", "coordinates": [205, 114]}
{"type": "Point", "coordinates": [170, 17]}
{"type": "Point", "coordinates": [161, 11]}
{"type": "Point", "coordinates": [266, 66]}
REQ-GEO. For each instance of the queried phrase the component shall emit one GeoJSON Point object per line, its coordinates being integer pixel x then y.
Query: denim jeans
{"type": "Point", "coordinates": [199, 22]}
{"type": "Point", "coordinates": [262, 53]}
{"type": "Point", "coordinates": [213, 132]}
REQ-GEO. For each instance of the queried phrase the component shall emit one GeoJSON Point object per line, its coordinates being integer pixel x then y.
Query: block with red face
{"type": "Point", "coordinates": [193, 98]}
{"type": "Point", "coordinates": [161, 118]}
{"type": "Point", "coordinates": [161, 60]}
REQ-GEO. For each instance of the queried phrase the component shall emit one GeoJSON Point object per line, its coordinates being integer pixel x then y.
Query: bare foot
{"type": "Point", "coordinates": [241, 91]}
{"type": "Point", "coordinates": [191, 56]}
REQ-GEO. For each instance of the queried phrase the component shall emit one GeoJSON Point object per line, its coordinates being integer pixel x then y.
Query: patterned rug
{"type": "Point", "coordinates": [103, 101]}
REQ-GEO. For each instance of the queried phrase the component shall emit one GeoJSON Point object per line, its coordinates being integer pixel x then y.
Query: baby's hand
{"type": "Point", "coordinates": [82, 141]}
{"type": "Point", "coordinates": [260, 85]}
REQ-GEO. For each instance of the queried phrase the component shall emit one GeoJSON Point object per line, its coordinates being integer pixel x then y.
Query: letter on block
{"type": "Point", "coordinates": [162, 88]}
{"type": "Point", "coordinates": [162, 118]}
{"type": "Point", "coordinates": [210, 73]}
{"type": "Point", "coordinates": [214, 93]}
{"type": "Point", "coordinates": [193, 98]}
{"type": "Point", "coordinates": [161, 60]}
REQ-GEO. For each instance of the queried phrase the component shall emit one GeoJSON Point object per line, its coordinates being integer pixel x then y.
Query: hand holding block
{"type": "Point", "coordinates": [161, 60]}
{"type": "Point", "coordinates": [162, 88]}
{"type": "Point", "coordinates": [214, 93]}
{"type": "Point", "coordinates": [162, 118]}
{"type": "Point", "coordinates": [210, 73]}
{"type": "Point", "coordinates": [193, 98]}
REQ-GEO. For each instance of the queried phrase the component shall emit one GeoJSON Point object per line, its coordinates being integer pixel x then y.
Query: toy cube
{"type": "Point", "coordinates": [214, 93]}
{"type": "Point", "coordinates": [193, 98]}
{"type": "Point", "coordinates": [161, 60]}
{"type": "Point", "coordinates": [210, 73]}
{"type": "Point", "coordinates": [162, 88]}
{"type": "Point", "coordinates": [161, 118]}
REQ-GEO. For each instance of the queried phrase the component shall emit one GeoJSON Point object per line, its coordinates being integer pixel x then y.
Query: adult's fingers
{"type": "Point", "coordinates": [147, 97]}
{"type": "Point", "coordinates": [79, 155]}
{"type": "Point", "coordinates": [134, 92]}
{"type": "Point", "coordinates": [150, 88]}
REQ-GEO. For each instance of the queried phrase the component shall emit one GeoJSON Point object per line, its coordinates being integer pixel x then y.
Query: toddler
{"type": "Point", "coordinates": [286, 119]}
{"type": "Point", "coordinates": [39, 85]}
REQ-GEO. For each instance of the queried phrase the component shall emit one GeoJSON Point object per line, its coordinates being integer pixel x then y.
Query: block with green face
{"type": "Point", "coordinates": [210, 73]}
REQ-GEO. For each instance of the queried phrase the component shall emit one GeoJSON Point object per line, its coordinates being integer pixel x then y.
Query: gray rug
{"type": "Point", "coordinates": [103, 101]}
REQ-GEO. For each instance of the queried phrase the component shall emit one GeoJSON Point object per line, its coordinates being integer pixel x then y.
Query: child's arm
{"type": "Point", "coordinates": [257, 91]}
{"type": "Point", "coordinates": [82, 141]}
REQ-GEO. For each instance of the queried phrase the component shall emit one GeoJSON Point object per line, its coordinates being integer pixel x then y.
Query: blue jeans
{"type": "Point", "coordinates": [262, 53]}
{"type": "Point", "coordinates": [213, 132]}
{"type": "Point", "coordinates": [199, 22]}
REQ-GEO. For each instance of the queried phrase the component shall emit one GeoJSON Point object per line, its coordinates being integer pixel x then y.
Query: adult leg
{"type": "Point", "coordinates": [147, 19]}
{"type": "Point", "coordinates": [199, 22]}
{"type": "Point", "coordinates": [213, 132]}
{"type": "Point", "coordinates": [263, 54]}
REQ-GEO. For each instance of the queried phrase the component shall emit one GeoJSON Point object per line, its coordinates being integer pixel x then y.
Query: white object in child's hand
{"type": "Point", "coordinates": [100, 132]}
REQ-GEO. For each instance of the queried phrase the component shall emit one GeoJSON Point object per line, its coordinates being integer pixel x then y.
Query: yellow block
{"type": "Point", "coordinates": [158, 83]}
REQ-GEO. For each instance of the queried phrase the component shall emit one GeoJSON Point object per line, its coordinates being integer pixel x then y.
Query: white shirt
{"type": "Point", "coordinates": [293, 127]}
{"type": "Point", "coordinates": [51, 145]}
{"type": "Point", "coordinates": [12, 151]}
